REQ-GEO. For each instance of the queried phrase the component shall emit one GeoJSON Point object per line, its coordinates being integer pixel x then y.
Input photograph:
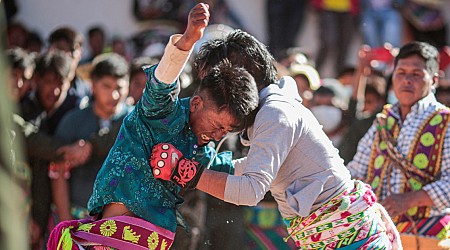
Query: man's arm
{"type": "Point", "coordinates": [60, 194]}
{"type": "Point", "coordinates": [170, 67]}
{"type": "Point", "coordinates": [398, 204]}
{"type": "Point", "coordinates": [213, 183]}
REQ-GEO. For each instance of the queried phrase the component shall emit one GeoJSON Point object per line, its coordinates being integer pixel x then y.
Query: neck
{"type": "Point", "coordinates": [404, 111]}
{"type": "Point", "coordinates": [104, 114]}
{"type": "Point", "coordinates": [58, 103]}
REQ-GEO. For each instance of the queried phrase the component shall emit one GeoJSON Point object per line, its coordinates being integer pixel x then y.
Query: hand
{"type": "Point", "coordinates": [76, 154]}
{"type": "Point", "coordinates": [168, 163]}
{"type": "Point", "coordinates": [397, 204]}
{"type": "Point", "coordinates": [164, 160]}
{"type": "Point", "coordinates": [197, 21]}
{"type": "Point", "coordinates": [56, 169]}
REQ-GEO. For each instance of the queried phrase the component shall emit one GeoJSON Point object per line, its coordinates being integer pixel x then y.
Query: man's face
{"type": "Point", "coordinates": [137, 85]}
{"type": "Point", "coordinates": [411, 80]}
{"type": "Point", "coordinates": [372, 103]}
{"type": "Point", "coordinates": [108, 92]}
{"type": "Point", "coordinates": [52, 89]}
{"type": "Point", "coordinates": [20, 83]}
{"type": "Point", "coordinates": [75, 55]}
{"type": "Point", "coordinates": [207, 122]}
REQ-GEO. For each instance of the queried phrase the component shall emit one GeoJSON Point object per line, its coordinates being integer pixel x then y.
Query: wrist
{"type": "Point", "coordinates": [185, 43]}
{"type": "Point", "coordinates": [187, 173]}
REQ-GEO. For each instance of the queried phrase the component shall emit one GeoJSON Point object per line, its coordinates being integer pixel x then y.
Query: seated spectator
{"type": "Point", "coordinates": [403, 155]}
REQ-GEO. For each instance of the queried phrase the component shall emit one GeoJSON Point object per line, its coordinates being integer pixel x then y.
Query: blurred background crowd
{"type": "Point", "coordinates": [339, 52]}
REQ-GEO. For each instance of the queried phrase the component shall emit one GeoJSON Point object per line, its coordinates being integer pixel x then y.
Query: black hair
{"type": "Point", "coordinates": [242, 50]}
{"type": "Point", "coordinates": [95, 29]}
{"type": "Point", "coordinates": [19, 58]}
{"type": "Point", "coordinates": [109, 64]}
{"type": "Point", "coordinates": [67, 34]}
{"type": "Point", "coordinates": [324, 91]}
{"type": "Point", "coordinates": [57, 62]}
{"type": "Point", "coordinates": [233, 89]}
{"type": "Point", "coordinates": [428, 52]}
{"type": "Point", "coordinates": [139, 62]}
{"type": "Point", "coordinates": [376, 85]}
{"type": "Point", "coordinates": [34, 38]}
{"type": "Point", "coordinates": [345, 71]}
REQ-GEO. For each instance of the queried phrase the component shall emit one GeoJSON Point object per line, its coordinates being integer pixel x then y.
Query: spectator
{"type": "Point", "coordinates": [119, 45]}
{"type": "Point", "coordinates": [22, 67]}
{"type": "Point", "coordinates": [367, 100]}
{"type": "Point", "coordinates": [44, 108]}
{"type": "Point", "coordinates": [34, 42]}
{"type": "Point", "coordinates": [69, 40]}
{"type": "Point", "coordinates": [284, 21]}
{"type": "Point", "coordinates": [138, 78]}
{"type": "Point", "coordinates": [96, 42]}
{"type": "Point", "coordinates": [426, 22]}
{"type": "Point", "coordinates": [308, 81]}
{"type": "Point", "coordinates": [16, 35]}
{"type": "Point", "coordinates": [110, 88]}
{"type": "Point", "coordinates": [337, 20]}
{"type": "Point", "coordinates": [381, 22]}
{"type": "Point", "coordinates": [328, 113]}
{"type": "Point", "coordinates": [403, 155]}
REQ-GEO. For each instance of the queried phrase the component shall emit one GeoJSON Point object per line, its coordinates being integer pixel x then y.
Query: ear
{"type": "Point", "coordinates": [196, 103]}
{"type": "Point", "coordinates": [436, 78]}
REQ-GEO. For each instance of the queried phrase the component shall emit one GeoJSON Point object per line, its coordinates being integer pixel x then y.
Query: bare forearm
{"type": "Point", "coordinates": [60, 192]}
{"type": "Point", "coordinates": [213, 183]}
{"type": "Point", "coordinates": [420, 198]}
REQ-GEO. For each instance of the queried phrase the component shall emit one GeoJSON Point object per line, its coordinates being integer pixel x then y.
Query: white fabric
{"type": "Point", "coordinates": [173, 62]}
{"type": "Point", "coordinates": [289, 154]}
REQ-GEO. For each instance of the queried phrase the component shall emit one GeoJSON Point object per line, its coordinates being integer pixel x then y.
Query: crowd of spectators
{"type": "Point", "coordinates": [54, 77]}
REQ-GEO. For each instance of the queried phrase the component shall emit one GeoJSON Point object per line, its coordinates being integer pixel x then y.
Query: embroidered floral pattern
{"type": "Point", "coordinates": [108, 228]}
{"type": "Point", "coordinates": [163, 244]}
{"type": "Point", "coordinates": [153, 241]}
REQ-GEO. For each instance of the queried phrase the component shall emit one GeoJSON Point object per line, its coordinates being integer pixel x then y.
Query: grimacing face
{"type": "Point", "coordinates": [411, 80]}
{"type": "Point", "coordinates": [207, 122]}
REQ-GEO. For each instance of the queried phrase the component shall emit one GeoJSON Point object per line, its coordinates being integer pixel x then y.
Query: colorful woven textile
{"type": "Point", "coordinates": [438, 227]}
{"type": "Point", "coordinates": [121, 232]}
{"type": "Point", "coordinates": [349, 218]}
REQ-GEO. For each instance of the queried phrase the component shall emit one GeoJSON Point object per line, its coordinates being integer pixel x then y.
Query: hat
{"type": "Point", "coordinates": [310, 72]}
